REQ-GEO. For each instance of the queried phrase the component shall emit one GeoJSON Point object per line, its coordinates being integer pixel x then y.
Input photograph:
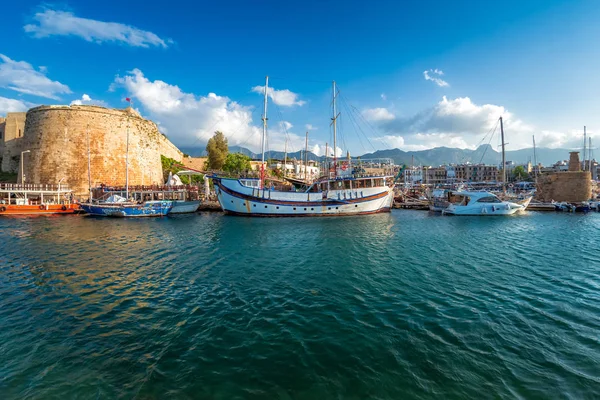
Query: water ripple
{"type": "Point", "coordinates": [404, 305]}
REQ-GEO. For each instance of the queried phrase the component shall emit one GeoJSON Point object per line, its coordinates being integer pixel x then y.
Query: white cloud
{"type": "Point", "coordinates": [63, 23]}
{"type": "Point", "coordinates": [383, 97]}
{"type": "Point", "coordinates": [13, 105]}
{"type": "Point", "coordinates": [310, 127]}
{"type": "Point", "coordinates": [191, 119]}
{"type": "Point", "coordinates": [390, 142]}
{"type": "Point", "coordinates": [282, 97]}
{"type": "Point", "coordinates": [21, 77]}
{"type": "Point", "coordinates": [378, 114]}
{"type": "Point", "coordinates": [438, 81]}
{"type": "Point", "coordinates": [87, 100]}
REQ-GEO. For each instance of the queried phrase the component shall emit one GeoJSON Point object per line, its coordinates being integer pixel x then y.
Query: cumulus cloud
{"type": "Point", "coordinates": [383, 97]}
{"type": "Point", "coordinates": [191, 119]}
{"type": "Point", "coordinates": [21, 77]}
{"type": "Point", "coordinates": [310, 127]}
{"type": "Point", "coordinates": [435, 79]}
{"type": "Point", "coordinates": [13, 105]}
{"type": "Point", "coordinates": [282, 97]}
{"type": "Point", "coordinates": [452, 123]}
{"type": "Point", "coordinates": [378, 114]}
{"type": "Point", "coordinates": [63, 23]}
{"type": "Point", "coordinates": [87, 100]}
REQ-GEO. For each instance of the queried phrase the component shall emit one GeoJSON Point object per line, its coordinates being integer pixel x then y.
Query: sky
{"type": "Point", "coordinates": [409, 75]}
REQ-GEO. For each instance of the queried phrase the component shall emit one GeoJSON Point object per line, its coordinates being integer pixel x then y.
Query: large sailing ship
{"type": "Point", "coordinates": [342, 191]}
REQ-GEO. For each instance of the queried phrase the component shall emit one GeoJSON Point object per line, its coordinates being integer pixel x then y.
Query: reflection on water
{"type": "Point", "coordinates": [400, 305]}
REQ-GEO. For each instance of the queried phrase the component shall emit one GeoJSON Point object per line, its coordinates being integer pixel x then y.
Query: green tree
{"type": "Point", "coordinates": [217, 150]}
{"type": "Point", "coordinates": [519, 173]}
{"type": "Point", "coordinates": [173, 166]}
{"type": "Point", "coordinates": [236, 162]}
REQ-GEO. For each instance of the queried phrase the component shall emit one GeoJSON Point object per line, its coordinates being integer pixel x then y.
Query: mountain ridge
{"type": "Point", "coordinates": [432, 157]}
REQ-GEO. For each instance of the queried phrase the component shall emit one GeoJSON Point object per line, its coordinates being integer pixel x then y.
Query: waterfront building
{"type": "Point", "coordinates": [476, 173]}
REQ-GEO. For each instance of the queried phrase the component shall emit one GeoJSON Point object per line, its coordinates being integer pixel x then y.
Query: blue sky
{"type": "Point", "coordinates": [412, 75]}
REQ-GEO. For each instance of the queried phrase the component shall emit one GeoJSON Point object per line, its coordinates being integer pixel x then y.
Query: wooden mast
{"type": "Point", "coordinates": [503, 156]}
{"type": "Point", "coordinates": [89, 163]}
{"type": "Point", "coordinates": [334, 119]}
{"type": "Point", "coordinates": [264, 135]}
{"type": "Point", "coordinates": [306, 158]}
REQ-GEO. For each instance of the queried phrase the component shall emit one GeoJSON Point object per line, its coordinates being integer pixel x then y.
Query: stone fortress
{"type": "Point", "coordinates": [59, 138]}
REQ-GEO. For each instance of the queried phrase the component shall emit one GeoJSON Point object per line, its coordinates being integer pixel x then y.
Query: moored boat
{"type": "Point", "coordinates": [33, 199]}
{"type": "Point", "coordinates": [328, 197]}
{"type": "Point", "coordinates": [342, 192]}
{"type": "Point", "coordinates": [124, 209]}
{"type": "Point", "coordinates": [482, 203]}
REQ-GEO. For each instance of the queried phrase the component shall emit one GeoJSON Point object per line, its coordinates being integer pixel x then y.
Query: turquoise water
{"type": "Point", "coordinates": [392, 306]}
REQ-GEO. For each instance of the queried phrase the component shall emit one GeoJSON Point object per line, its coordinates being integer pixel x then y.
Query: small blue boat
{"type": "Point", "coordinates": [127, 210]}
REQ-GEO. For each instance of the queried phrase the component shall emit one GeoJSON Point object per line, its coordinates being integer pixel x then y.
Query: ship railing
{"type": "Point", "coordinates": [33, 187]}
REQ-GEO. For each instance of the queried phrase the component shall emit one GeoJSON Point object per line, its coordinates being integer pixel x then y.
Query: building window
{"type": "Point", "coordinates": [19, 133]}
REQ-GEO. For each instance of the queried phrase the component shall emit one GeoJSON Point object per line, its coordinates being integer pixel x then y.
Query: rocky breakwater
{"type": "Point", "coordinates": [60, 137]}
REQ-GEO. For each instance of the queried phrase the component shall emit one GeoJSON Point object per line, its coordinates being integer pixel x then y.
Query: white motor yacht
{"type": "Point", "coordinates": [482, 203]}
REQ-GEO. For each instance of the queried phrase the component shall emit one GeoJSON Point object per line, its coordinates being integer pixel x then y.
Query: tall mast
{"type": "Point", "coordinates": [306, 158]}
{"type": "Point", "coordinates": [285, 159]}
{"type": "Point", "coordinates": [534, 160]}
{"type": "Point", "coordinates": [127, 159]}
{"type": "Point", "coordinates": [584, 140]}
{"type": "Point", "coordinates": [503, 156]}
{"type": "Point", "coordinates": [335, 115]}
{"type": "Point", "coordinates": [327, 159]}
{"type": "Point", "coordinates": [264, 135]}
{"type": "Point", "coordinates": [89, 163]}
{"type": "Point", "coordinates": [590, 154]}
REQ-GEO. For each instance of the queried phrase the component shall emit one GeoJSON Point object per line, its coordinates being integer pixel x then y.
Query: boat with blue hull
{"type": "Point", "coordinates": [128, 210]}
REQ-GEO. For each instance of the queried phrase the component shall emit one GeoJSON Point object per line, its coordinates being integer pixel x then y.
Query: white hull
{"type": "Point", "coordinates": [236, 198]}
{"type": "Point", "coordinates": [183, 207]}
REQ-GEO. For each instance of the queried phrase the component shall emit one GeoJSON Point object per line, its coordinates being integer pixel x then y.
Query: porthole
{"type": "Point", "coordinates": [356, 205]}
{"type": "Point", "coordinates": [329, 208]}
{"type": "Point", "coordinates": [254, 205]}
{"type": "Point", "coordinates": [294, 208]}
{"type": "Point", "coordinates": [304, 208]}
{"type": "Point", "coordinates": [231, 201]}
{"type": "Point", "coordinates": [278, 207]}
{"type": "Point", "coordinates": [312, 209]}
{"type": "Point", "coordinates": [336, 208]}
{"type": "Point", "coordinates": [265, 206]}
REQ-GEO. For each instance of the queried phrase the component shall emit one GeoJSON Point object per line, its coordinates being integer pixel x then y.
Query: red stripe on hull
{"type": "Point", "coordinates": [381, 210]}
{"type": "Point", "coordinates": [331, 202]}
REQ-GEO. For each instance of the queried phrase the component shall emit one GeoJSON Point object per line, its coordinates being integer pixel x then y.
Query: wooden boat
{"type": "Point", "coordinates": [344, 192]}
{"type": "Point", "coordinates": [30, 199]}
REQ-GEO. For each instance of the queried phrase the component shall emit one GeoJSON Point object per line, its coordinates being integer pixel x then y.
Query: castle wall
{"type": "Point", "coordinates": [569, 186]}
{"type": "Point", "coordinates": [12, 130]}
{"type": "Point", "coordinates": [58, 139]}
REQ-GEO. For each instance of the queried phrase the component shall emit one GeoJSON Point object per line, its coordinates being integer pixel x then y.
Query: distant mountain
{"type": "Point", "coordinates": [483, 154]}
{"type": "Point", "coordinates": [278, 155]}
{"type": "Point", "coordinates": [437, 156]}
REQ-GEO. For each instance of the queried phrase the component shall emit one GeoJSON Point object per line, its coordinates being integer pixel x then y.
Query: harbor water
{"type": "Point", "coordinates": [392, 306]}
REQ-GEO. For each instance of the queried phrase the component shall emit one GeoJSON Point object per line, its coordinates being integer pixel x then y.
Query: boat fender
{"type": "Point", "coordinates": [2, 209]}
{"type": "Point", "coordinates": [493, 208]}
{"type": "Point", "coordinates": [42, 207]}
{"type": "Point", "coordinates": [64, 208]}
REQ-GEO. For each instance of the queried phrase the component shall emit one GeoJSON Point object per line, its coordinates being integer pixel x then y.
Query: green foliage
{"type": "Point", "coordinates": [7, 177]}
{"type": "Point", "coordinates": [519, 173]}
{"type": "Point", "coordinates": [173, 166]}
{"type": "Point", "coordinates": [217, 150]}
{"type": "Point", "coordinates": [236, 162]}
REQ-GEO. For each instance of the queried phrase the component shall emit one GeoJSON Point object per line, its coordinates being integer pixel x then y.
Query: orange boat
{"type": "Point", "coordinates": [17, 199]}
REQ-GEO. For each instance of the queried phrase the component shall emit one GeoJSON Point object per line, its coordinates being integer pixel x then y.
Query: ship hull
{"type": "Point", "coordinates": [148, 209]}
{"type": "Point", "coordinates": [38, 209]}
{"type": "Point", "coordinates": [238, 200]}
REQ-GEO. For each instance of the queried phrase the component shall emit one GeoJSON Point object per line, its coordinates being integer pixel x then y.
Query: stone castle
{"type": "Point", "coordinates": [59, 139]}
